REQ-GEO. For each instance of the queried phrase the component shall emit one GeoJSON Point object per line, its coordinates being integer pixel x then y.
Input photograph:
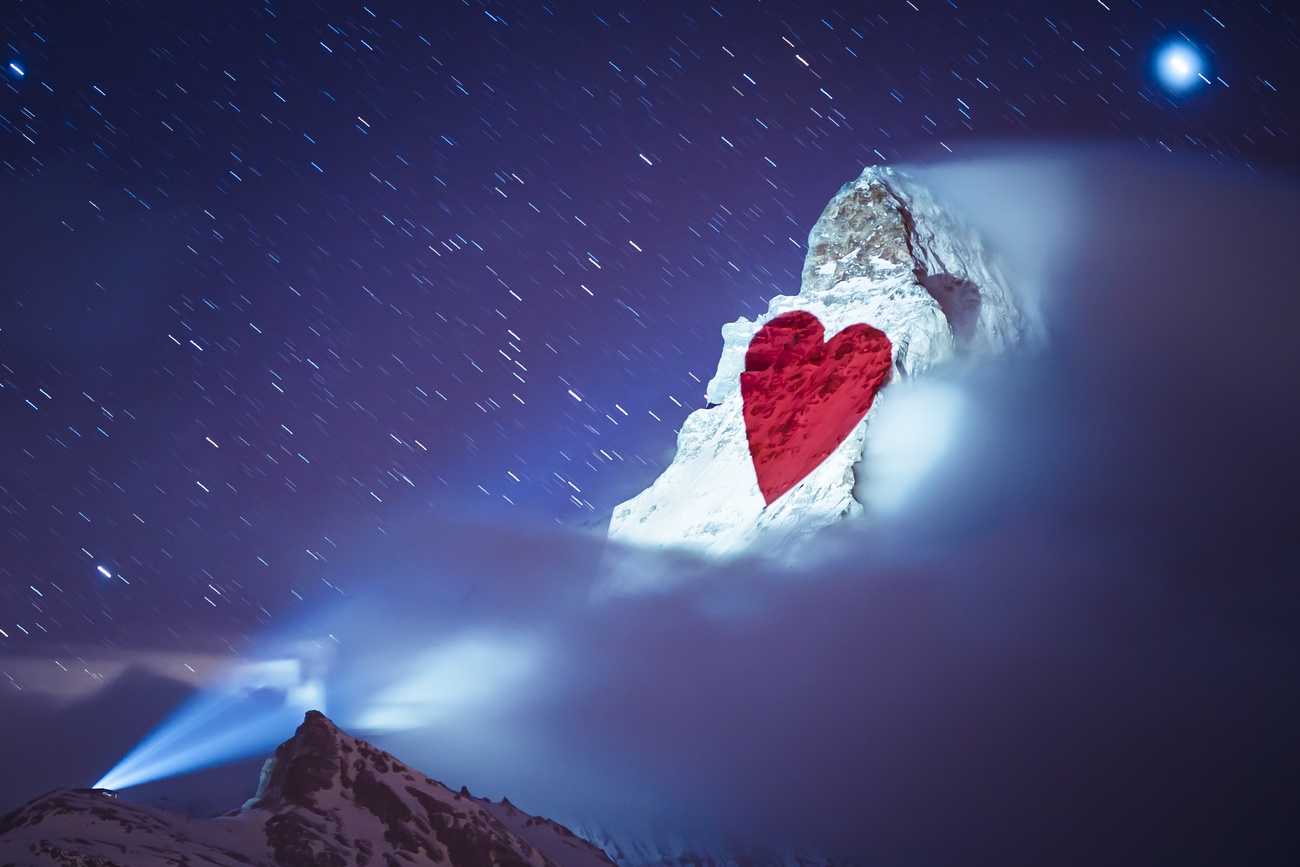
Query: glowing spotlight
{"type": "Point", "coordinates": [914, 425]}
{"type": "Point", "coordinates": [1180, 66]}
{"type": "Point", "coordinates": [253, 707]}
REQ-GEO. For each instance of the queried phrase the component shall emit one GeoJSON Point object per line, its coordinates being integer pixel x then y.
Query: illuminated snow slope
{"type": "Point", "coordinates": [885, 253]}
{"type": "Point", "coordinates": [324, 799]}
{"type": "Point", "coordinates": [659, 850]}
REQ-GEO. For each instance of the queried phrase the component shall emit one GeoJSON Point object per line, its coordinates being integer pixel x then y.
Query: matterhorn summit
{"type": "Point", "coordinates": [895, 287]}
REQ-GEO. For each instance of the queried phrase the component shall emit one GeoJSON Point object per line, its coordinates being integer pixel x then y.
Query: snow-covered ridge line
{"type": "Point", "coordinates": [323, 798]}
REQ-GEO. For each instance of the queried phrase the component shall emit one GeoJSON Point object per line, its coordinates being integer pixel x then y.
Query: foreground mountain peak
{"type": "Point", "coordinates": [318, 758]}
{"type": "Point", "coordinates": [324, 800]}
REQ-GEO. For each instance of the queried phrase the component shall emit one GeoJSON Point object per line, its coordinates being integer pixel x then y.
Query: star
{"type": "Point", "coordinates": [1180, 66]}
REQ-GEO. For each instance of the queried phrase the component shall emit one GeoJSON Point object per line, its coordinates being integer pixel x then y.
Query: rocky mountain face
{"type": "Point", "coordinates": [884, 254]}
{"type": "Point", "coordinates": [324, 800]}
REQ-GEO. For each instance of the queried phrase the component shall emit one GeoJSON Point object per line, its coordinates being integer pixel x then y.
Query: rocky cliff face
{"type": "Point", "coordinates": [324, 800]}
{"type": "Point", "coordinates": [885, 254]}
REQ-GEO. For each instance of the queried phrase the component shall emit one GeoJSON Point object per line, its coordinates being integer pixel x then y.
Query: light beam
{"type": "Point", "coordinates": [253, 707]}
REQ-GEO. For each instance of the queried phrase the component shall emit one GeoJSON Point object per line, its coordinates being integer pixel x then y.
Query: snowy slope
{"type": "Point", "coordinates": [883, 253]}
{"type": "Point", "coordinates": [324, 799]}
{"type": "Point", "coordinates": [92, 827]}
{"type": "Point", "coordinates": [550, 838]}
{"type": "Point", "coordinates": [658, 850]}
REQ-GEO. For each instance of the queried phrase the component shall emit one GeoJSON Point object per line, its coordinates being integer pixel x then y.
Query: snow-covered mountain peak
{"type": "Point", "coordinates": [318, 760]}
{"type": "Point", "coordinates": [324, 799]}
{"type": "Point", "coordinates": [886, 254]}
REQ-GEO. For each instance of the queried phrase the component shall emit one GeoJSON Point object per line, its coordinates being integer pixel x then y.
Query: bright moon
{"type": "Point", "coordinates": [1179, 66]}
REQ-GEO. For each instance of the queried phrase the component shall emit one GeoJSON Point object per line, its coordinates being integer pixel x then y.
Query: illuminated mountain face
{"type": "Point", "coordinates": [884, 256]}
{"type": "Point", "coordinates": [324, 799]}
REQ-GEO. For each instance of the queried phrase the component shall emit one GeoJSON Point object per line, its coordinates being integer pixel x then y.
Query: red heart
{"type": "Point", "coordinates": [804, 396]}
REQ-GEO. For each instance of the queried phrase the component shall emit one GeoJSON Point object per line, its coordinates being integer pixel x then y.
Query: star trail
{"type": "Point", "coordinates": [288, 284]}
{"type": "Point", "coordinates": [280, 276]}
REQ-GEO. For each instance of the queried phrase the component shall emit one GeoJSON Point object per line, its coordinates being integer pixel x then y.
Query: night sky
{"type": "Point", "coordinates": [294, 287]}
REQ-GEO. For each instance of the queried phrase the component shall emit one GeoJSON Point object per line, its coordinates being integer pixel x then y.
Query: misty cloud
{"type": "Point", "coordinates": [1076, 641]}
